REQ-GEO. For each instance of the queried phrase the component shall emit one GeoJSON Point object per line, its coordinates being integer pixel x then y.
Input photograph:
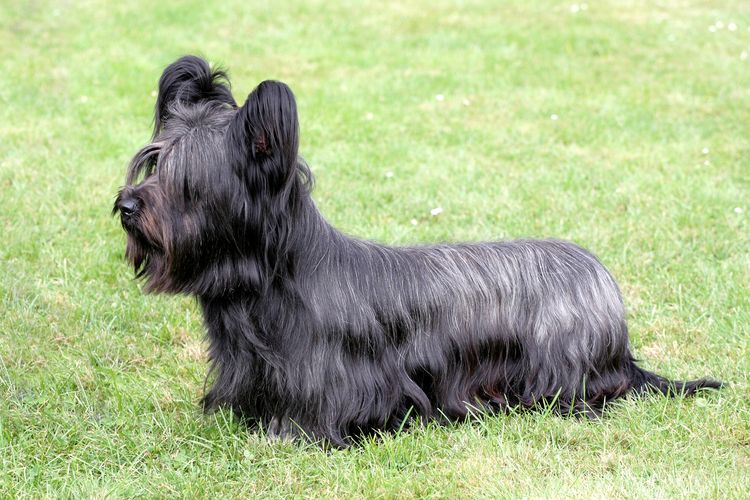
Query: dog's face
{"type": "Point", "coordinates": [198, 205]}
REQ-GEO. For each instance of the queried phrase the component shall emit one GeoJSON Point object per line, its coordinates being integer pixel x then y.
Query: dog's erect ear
{"type": "Point", "coordinates": [190, 79]}
{"type": "Point", "coordinates": [265, 134]}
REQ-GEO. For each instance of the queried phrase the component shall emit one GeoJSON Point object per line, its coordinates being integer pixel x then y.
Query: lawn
{"type": "Point", "coordinates": [620, 125]}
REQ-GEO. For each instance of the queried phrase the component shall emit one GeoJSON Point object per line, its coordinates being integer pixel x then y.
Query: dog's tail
{"type": "Point", "coordinates": [646, 381]}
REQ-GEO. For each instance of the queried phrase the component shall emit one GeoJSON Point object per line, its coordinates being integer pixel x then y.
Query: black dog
{"type": "Point", "coordinates": [319, 334]}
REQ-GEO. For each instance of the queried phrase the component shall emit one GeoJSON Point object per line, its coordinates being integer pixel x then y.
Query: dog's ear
{"type": "Point", "coordinates": [264, 136]}
{"type": "Point", "coordinates": [190, 79]}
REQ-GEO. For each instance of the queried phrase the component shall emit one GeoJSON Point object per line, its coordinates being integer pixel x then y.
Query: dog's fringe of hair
{"type": "Point", "coordinates": [315, 333]}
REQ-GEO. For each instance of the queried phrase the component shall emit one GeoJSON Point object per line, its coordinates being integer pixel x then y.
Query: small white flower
{"type": "Point", "coordinates": [413, 222]}
{"type": "Point", "coordinates": [436, 211]}
{"type": "Point", "coordinates": [466, 102]}
{"type": "Point", "coordinates": [743, 55]}
{"type": "Point", "coordinates": [712, 29]}
{"type": "Point", "coordinates": [737, 210]}
{"type": "Point", "coordinates": [440, 97]}
{"type": "Point", "coordinates": [719, 25]}
{"type": "Point", "coordinates": [369, 116]}
{"type": "Point", "coordinates": [84, 99]}
{"type": "Point", "coordinates": [706, 163]}
{"type": "Point", "coordinates": [574, 8]}
{"type": "Point", "coordinates": [732, 27]}
{"type": "Point", "coordinates": [153, 93]}
{"type": "Point", "coordinates": [553, 117]}
{"type": "Point", "coordinates": [389, 174]}
{"type": "Point", "coordinates": [704, 151]}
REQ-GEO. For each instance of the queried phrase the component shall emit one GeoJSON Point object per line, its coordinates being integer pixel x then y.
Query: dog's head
{"type": "Point", "coordinates": [204, 203]}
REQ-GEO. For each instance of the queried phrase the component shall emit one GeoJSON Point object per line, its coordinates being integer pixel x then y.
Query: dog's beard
{"type": "Point", "coordinates": [147, 255]}
{"type": "Point", "coordinates": [138, 255]}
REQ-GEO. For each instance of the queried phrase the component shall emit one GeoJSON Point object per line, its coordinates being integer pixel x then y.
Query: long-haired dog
{"type": "Point", "coordinates": [315, 333]}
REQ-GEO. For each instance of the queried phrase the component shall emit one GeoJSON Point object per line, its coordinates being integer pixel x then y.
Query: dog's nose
{"type": "Point", "coordinates": [127, 207]}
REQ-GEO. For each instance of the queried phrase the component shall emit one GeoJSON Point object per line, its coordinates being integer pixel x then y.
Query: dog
{"type": "Point", "coordinates": [314, 333]}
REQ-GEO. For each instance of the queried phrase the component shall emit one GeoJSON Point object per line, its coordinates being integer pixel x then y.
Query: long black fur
{"type": "Point", "coordinates": [313, 332]}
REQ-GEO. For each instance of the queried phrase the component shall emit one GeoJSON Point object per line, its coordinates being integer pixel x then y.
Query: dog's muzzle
{"type": "Point", "coordinates": [128, 207]}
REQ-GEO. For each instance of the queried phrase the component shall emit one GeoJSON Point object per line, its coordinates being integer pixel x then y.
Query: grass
{"type": "Point", "coordinates": [99, 384]}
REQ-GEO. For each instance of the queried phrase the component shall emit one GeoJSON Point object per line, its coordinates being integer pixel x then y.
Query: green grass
{"type": "Point", "coordinates": [99, 384]}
